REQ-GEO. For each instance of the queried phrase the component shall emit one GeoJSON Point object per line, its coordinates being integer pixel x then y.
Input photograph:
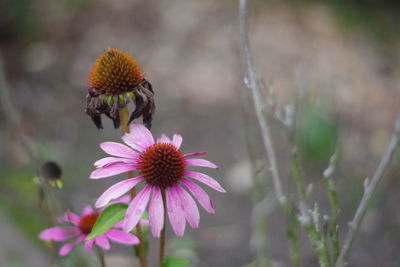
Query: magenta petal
{"type": "Point", "coordinates": [89, 245]}
{"type": "Point", "coordinates": [113, 169]}
{"type": "Point", "coordinates": [194, 154]}
{"type": "Point", "coordinates": [122, 237]}
{"type": "Point", "coordinates": [175, 213]}
{"type": "Point", "coordinates": [119, 150]}
{"type": "Point", "coordinates": [65, 249]}
{"type": "Point", "coordinates": [164, 139]}
{"type": "Point", "coordinates": [189, 206]}
{"type": "Point", "coordinates": [72, 218]}
{"type": "Point", "coordinates": [102, 242]}
{"type": "Point", "coordinates": [205, 179]}
{"type": "Point", "coordinates": [177, 140]}
{"type": "Point", "coordinates": [139, 137]}
{"type": "Point", "coordinates": [136, 208]}
{"type": "Point", "coordinates": [201, 195]}
{"type": "Point", "coordinates": [59, 233]}
{"type": "Point", "coordinates": [117, 190]}
{"type": "Point", "coordinates": [156, 212]}
{"type": "Point", "coordinates": [111, 160]}
{"type": "Point", "coordinates": [200, 163]}
{"type": "Point", "coordinates": [88, 209]}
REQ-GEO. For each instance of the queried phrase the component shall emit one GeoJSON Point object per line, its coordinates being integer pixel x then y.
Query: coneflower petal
{"type": "Point", "coordinates": [156, 212]}
{"type": "Point", "coordinates": [189, 206]}
{"type": "Point", "coordinates": [117, 190]}
{"type": "Point", "coordinates": [139, 137]}
{"type": "Point", "coordinates": [175, 213]}
{"type": "Point", "coordinates": [122, 237]}
{"type": "Point", "coordinates": [119, 150]}
{"type": "Point", "coordinates": [177, 140]}
{"type": "Point", "coordinates": [201, 195]}
{"type": "Point", "coordinates": [102, 242]}
{"type": "Point", "coordinates": [205, 179]}
{"type": "Point", "coordinates": [200, 163]}
{"type": "Point", "coordinates": [136, 208]}
{"type": "Point", "coordinates": [163, 139]}
{"type": "Point", "coordinates": [114, 169]}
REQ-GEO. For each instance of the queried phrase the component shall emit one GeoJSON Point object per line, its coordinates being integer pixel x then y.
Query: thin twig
{"type": "Point", "coordinates": [355, 224]}
{"type": "Point", "coordinates": [253, 85]}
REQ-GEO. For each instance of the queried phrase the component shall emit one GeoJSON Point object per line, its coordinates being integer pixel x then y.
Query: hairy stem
{"type": "Point", "coordinates": [124, 116]}
{"type": "Point", "coordinates": [355, 224]}
{"type": "Point", "coordinates": [162, 236]}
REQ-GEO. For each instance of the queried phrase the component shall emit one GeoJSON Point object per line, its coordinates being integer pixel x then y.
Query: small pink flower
{"type": "Point", "coordinates": [81, 228]}
{"type": "Point", "coordinates": [161, 165]}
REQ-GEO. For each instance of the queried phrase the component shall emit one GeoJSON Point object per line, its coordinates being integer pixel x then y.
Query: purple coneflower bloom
{"type": "Point", "coordinates": [161, 166]}
{"type": "Point", "coordinates": [81, 228]}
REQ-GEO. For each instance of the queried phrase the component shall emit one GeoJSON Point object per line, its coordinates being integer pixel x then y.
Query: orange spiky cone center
{"type": "Point", "coordinates": [115, 72]}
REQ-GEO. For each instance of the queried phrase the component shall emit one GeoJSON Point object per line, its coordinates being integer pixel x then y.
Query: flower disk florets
{"type": "Point", "coordinates": [162, 165]}
{"type": "Point", "coordinates": [87, 222]}
{"type": "Point", "coordinates": [114, 72]}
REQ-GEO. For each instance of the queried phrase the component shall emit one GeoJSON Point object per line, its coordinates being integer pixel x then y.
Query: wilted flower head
{"type": "Point", "coordinates": [161, 166]}
{"type": "Point", "coordinates": [81, 228]}
{"type": "Point", "coordinates": [115, 80]}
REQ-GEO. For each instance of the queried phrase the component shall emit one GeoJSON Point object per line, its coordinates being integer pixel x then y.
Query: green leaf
{"type": "Point", "coordinates": [107, 219]}
{"type": "Point", "coordinates": [176, 262]}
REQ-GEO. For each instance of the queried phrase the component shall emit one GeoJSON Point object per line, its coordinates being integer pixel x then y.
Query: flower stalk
{"type": "Point", "coordinates": [124, 116]}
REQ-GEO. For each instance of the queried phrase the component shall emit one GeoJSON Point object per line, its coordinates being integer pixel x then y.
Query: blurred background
{"type": "Point", "coordinates": [343, 56]}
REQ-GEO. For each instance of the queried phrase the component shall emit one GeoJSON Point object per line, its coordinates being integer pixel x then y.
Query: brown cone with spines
{"type": "Point", "coordinates": [115, 80]}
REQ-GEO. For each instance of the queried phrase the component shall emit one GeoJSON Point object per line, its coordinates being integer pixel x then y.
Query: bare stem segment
{"type": "Point", "coordinates": [124, 116]}
{"type": "Point", "coordinates": [355, 224]}
{"type": "Point", "coordinates": [252, 83]}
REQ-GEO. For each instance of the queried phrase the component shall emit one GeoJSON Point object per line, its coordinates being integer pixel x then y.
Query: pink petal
{"type": "Point", "coordinates": [102, 242]}
{"type": "Point", "coordinates": [119, 150]}
{"type": "Point", "coordinates": [87, 210]}
{"type": "Point", "coordinates": [175, 213]}
{"type": "Point", "coordinates": [72, 218]}
{"type": "Point", "coordinates": [139, 137]}
{"type": "Point", "coordinates": [200, 163]}
{"type": "Point", "coordinates": [204, 178]}
{"type": "Point", "coordinates": [59, 233]}
{"type": "Point", "coordinates": [194, 154]}
{"type": "Point", "coordinates": [117, 190]}
{"type": "Point", "coordinates": [111, 160]}
{"type": "Point", "coordinates": [125, 199]}
{"type": "Point", "coordinates": [144, 222]}
{"type": "Point", "coordinates": [164, 139]}
{"type": "Point", "coordinates": [113, 169]}
{"type": "Point", "coordinates": [136, 208]}
{"type": "Point", "coordinates": [201, 196]}
{"type": "Point", "coordinates": [122, 237]}
{"type": "Point", "coordinates": [189, 206]}
{"type": "Point", "coordinates": [65, 249]}
{"type": "Point", "coordinates": [89, 245]}
{"type": "Point", "coordinates": [156, 212]}
{"type": "Point", "coordinates": [177, 140]}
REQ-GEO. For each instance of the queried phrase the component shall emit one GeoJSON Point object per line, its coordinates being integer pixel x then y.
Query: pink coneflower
{"type": "Point", "coordinates": [161, 166]}
{"type": "Point", "coordinates": [81, 228]}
